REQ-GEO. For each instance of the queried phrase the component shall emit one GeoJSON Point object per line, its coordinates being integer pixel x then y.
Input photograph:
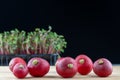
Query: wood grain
{"type": "Point", "coordinates": [6, 74]}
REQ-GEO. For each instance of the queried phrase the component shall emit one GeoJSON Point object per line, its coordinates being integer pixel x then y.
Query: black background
{"type": "Point", "coordinates": [89, 26]}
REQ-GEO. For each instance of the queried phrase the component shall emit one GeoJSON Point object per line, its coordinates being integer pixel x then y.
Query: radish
{"type": "Point", "coordinates": [20, 70]}
{"type": "Point", "coordinates": [102, 67]}
{"type": "Point", "coordinates": [84, 64]}
{"type": "Point", "coordinates": [14, 61]}
{"type": "Point", "coordinates": [66, 67]}
{"type": "Point", "coordinates": [38, 67]}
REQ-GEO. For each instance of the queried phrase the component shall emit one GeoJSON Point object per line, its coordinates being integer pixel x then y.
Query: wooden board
{"type": "Point", "coordinates": [6, 74]}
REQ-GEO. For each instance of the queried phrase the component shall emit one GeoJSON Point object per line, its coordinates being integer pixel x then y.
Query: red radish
{"type": "Point", "coordinates": [102, 67]}
{"type": "Point", "coordinates": [66, 67]}
{"type": "Point", "coordinates": [38, 67]}
{"type": "Point", "coordinates": [84, 64]}
{"type": "Point", "coordinates": [20, 70]}
{"type": "Point", "coordinates": [14, 61]}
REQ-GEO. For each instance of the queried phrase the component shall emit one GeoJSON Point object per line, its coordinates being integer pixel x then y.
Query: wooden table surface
{"type": "Point", "coordinates": [6, 74]}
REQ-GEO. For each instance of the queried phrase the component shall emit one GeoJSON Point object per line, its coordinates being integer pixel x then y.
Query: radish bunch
{"type": "Point", "coordinates": [67, 67]}
{"type": "Point", "coordinates": [36, 67]}
{"type": "Point", "coordinates": [102, 67]}
{"type": "Point", "coordinates": [35, 42]}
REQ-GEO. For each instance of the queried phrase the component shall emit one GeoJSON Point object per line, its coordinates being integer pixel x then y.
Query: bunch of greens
{"type": "Point", "coordinates": [39, 41]}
